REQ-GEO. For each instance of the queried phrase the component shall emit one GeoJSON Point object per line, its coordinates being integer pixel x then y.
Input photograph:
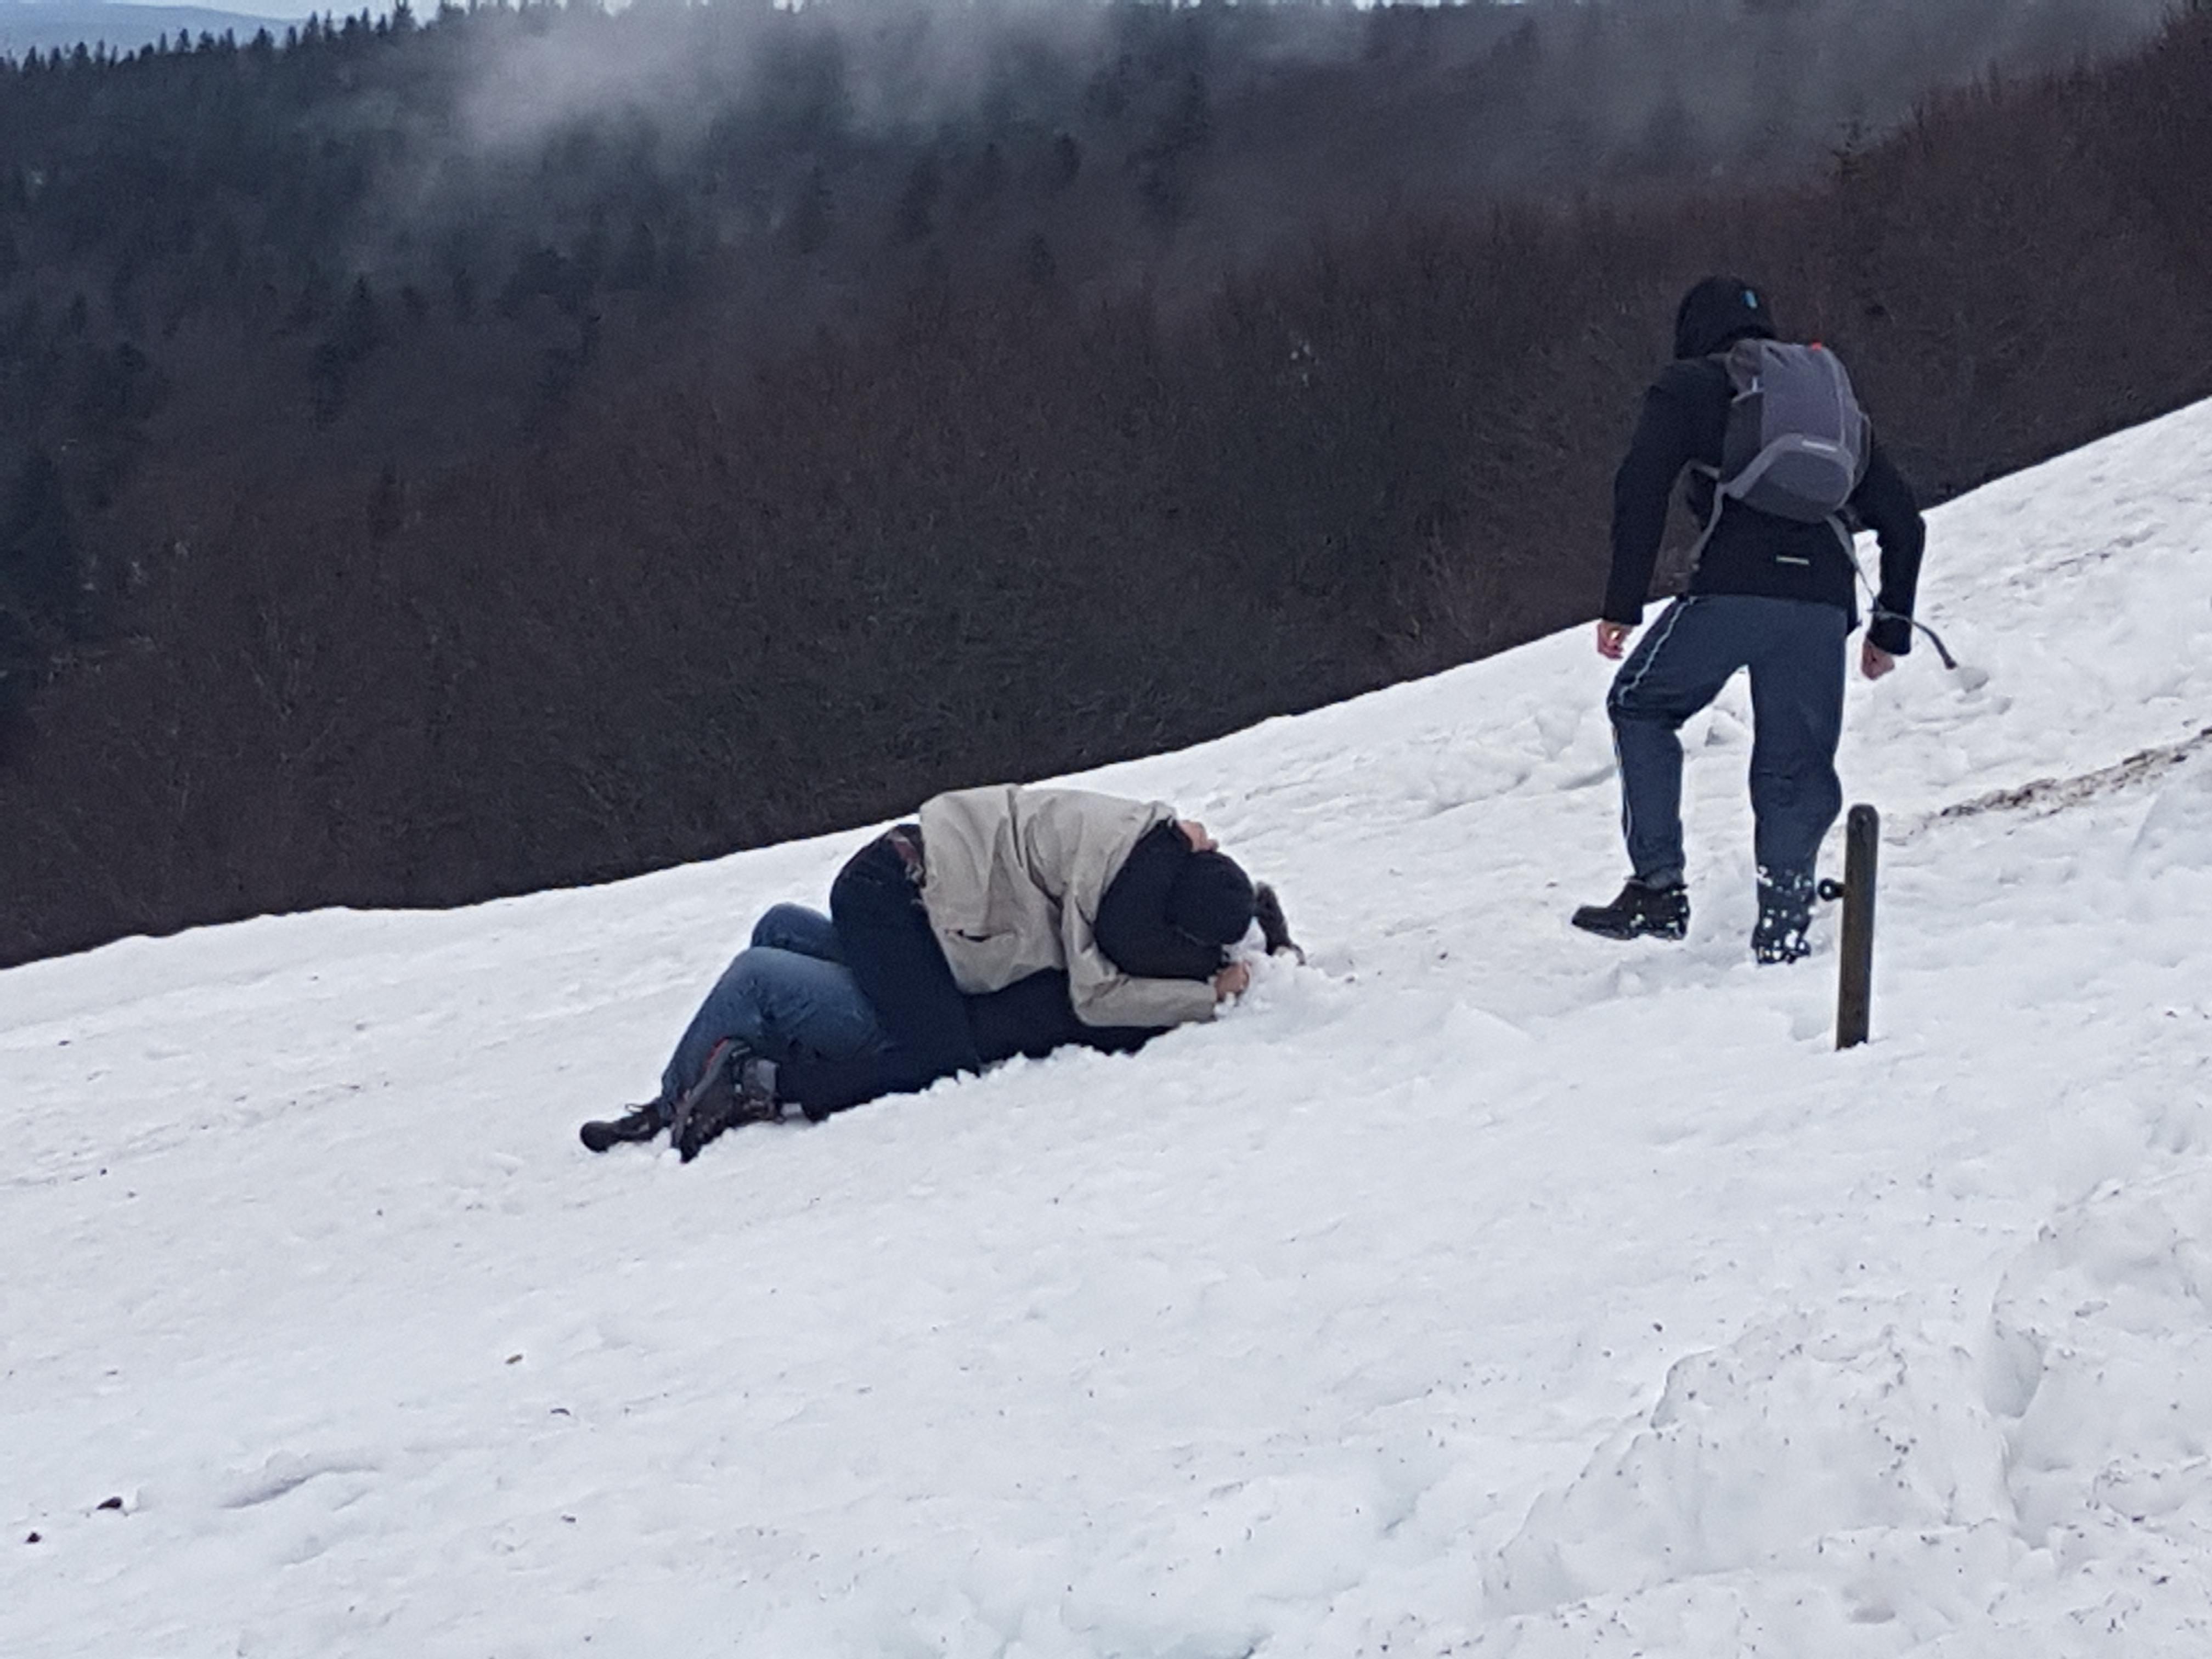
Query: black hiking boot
{"type": "Point", "coordinates": [1785, 912]}
{"type": "Point", "coordinates": [639, 1123]}
{"type": "Point", "coordinates": [1640, 912]}
{"type": "Point", "coordinates": [738, 1087]}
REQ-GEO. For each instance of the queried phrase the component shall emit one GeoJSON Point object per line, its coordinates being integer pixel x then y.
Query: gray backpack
{"type": "Point", "coordinates": [1795, 444]}
{"type": "Point", "coordinates": [1796, 441]}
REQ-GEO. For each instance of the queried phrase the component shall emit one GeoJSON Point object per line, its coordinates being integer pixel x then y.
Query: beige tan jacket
{"type": "Point", "coordinates": [1011, 880]}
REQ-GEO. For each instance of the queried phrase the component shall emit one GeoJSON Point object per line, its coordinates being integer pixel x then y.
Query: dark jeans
{"type": "Point", "coordinates": [885, 936]}
{"type": "Point", "coordinates": [1794, 651]}
{"type": "Point", "coordinates": [1031, 1016]}
{"type": "Point", "coordinates": [787, 997]}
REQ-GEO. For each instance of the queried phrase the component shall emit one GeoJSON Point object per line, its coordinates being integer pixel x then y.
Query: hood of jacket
{"type": "Point", "coordinates": [1717, 313]}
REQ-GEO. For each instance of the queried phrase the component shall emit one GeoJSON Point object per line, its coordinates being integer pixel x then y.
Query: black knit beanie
{"type": "Point", "coordinates": [1211, 899]}
{"type": "Point", "coordinates": [1718, 312]}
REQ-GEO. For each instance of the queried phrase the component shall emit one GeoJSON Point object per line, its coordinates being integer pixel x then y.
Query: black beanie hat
{"type": "Point", "coordinates": [1717, 313]}
{"type": "Point", "coordinates": [1211, 899]}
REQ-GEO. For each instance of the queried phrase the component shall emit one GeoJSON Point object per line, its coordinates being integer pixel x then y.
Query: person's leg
{"type": "Point", "coordinates": [1032, 1017]}
{"type": "Point", "coordinates": [799, 928]}
{"type": "Point", "coordinates": [821, 1086]}
{"type": "Point", "coordinates": [1797, 719]}
{"type": "Point", "coordinates": [778, 1005]}
{"type": "Point", "coordinates": [886, 937]}
{"type": "Point", "coordinates": [1680, 667]}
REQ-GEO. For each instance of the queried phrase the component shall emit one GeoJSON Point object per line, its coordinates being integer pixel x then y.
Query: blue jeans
{"type": "Point", "coordinates": [1794, 651]}
{"type": "Point", "coordinates": [788, 998]}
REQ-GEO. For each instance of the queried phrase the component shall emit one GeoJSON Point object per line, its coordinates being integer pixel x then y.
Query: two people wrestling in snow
{"type": "Point", "coordinates": [1005, 920]}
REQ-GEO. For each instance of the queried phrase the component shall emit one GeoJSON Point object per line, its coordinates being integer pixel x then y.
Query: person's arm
{"type": "Point", "coordinates": [1139, 969]}
{"type": "Point", "coordinates": [1132, 927]}
{"type": "Point", "coordinates": [1884, 504]}
{"type": "Point", "coordinates": [1642, 488]}
{"type": "Point", "coordinates": [1103, 995]}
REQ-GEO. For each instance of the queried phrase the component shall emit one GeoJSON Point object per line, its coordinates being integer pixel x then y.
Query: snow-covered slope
{"type": "Point", "coordinates": [1481, 1288]}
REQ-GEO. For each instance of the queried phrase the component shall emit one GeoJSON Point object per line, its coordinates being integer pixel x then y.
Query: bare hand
{"type": "Point", "coordinates": [1874, 661]}
{"type": "Point", "coordinates": [1613, 640]}
{"type": "Point", "coordinates": [1232, 982]}
{"type": "Point", "coordinates": [1195, 833]}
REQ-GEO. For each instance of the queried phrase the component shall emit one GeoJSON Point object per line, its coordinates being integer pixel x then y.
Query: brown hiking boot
{"type": "Point", "coordinates": [738, 1088]}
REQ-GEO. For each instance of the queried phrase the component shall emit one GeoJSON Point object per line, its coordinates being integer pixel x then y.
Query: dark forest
{"type": "Point", "coordinates": [443, 458]}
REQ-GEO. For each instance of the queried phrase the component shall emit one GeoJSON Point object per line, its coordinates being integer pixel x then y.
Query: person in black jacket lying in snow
{"type": "Point", "coordinates": [788, 1023]}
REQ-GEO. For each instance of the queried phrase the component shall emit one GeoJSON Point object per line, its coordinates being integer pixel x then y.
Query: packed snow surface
{"type": "Point", "coordinates": [1479, 1287]}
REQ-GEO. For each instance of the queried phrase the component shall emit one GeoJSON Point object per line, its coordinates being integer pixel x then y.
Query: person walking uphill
{"type": "Point", "coordinates": [1783, 467]}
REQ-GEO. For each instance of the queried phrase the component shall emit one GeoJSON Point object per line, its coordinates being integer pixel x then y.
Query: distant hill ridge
{"type": "Point", "coordinates": [51, 25]}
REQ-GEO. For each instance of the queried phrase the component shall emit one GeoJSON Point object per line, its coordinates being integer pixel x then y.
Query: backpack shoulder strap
{"type": "Point", "coordinates": [1736, 373]}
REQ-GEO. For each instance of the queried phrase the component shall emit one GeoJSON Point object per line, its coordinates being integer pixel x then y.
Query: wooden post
{"type": "Point", "coordinates": [1855, 995]}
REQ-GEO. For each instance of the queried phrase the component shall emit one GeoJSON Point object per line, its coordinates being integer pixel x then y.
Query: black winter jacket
{"type": "Point", "coordinates": [1684, 420]}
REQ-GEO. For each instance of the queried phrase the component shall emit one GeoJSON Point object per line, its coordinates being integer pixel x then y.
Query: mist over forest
{"type": "Point", "coordinates": [443, 456]}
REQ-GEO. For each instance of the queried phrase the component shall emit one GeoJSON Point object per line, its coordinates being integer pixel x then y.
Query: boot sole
{"type": "Point", "coordinates": [1605, 929]}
